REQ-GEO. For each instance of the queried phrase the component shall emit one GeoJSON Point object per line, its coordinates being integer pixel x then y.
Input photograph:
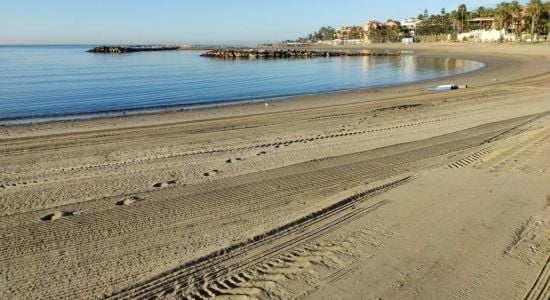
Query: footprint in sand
{"type": "Point", "coordinates": [165, 184]}
{"type": "Point", "coordinates": [129, 201]}
{"type": "Point", "coordinates": [232, 160]}
{"type": "Point", "coordinates": [59, 214]}
{"type": "Point", "coordinates": [211, 173]}
{"type": "Point", "coordinates": [261, 153]}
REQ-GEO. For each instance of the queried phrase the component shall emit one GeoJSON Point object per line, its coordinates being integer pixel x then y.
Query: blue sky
{"type": "Point", "coordinates": [195, 21]}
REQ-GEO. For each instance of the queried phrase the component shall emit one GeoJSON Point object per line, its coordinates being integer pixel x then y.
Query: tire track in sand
{"type": "Point", "coordinates": [289, 236]}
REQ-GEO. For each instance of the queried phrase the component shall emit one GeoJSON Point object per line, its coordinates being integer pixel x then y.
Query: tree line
{"type": "Point", "coordinates": [323, 34]}
{"type": "Point", "coordinates": [533, 17]}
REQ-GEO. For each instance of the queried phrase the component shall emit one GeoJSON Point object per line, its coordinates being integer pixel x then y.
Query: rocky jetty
{"type": "Point", "coordinates": [282, 54]}
{"type": "Point", "coordinates": [128, 49]}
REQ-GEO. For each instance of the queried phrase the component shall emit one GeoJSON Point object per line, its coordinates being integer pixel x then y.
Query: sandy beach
{"type": "Point", "coordinates": [379, 193]}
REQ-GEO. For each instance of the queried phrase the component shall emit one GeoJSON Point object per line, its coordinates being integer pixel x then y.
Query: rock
{"type": "Point", "coordinates": [124, 49]}
{"type": "Point", "coordinates": [233, 53]}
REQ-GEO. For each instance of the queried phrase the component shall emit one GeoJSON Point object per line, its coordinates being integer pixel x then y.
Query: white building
{"type": "Point", "coordinates": [411, 24]}
{"type": "Point", "coordinates": [492, 35]}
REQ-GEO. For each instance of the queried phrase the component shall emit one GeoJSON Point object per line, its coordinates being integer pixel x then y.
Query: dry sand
{"type": "Point", "coordinates": [388, 193]}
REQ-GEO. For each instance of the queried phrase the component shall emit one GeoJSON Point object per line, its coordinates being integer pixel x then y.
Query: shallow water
{"type": "Point", "coordinates": [38, 81]}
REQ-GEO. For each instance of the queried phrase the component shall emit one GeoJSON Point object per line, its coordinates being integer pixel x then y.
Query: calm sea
{"type": "Point", "coordinates": [46, 81]}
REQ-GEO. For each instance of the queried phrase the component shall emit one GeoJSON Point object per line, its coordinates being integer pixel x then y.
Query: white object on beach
{"type": "Point", "coordinates": [446, 87]}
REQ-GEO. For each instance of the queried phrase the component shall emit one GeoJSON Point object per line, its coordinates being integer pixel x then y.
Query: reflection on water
{"type": "Point", "coordinates": [56, 80]}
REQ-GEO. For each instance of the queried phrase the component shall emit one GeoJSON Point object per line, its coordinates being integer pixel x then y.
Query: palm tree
{"type": "Point", "coordinates": [503, 14]}
{"type": "Point", "coordinates": [462, 11]}
{"type": "Point", "coordinates": [547, 9]}
{"type": "Point", "coordinates": [517, 18]}
{"type": "Point", "coordinates": [455, 19]}
{"type": "Point", "coordinates": [534, 9]}
{"type": "Point", "coordinates": [482, 12]}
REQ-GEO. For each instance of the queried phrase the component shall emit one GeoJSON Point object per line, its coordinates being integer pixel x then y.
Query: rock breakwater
{"type": "Point", "coordinates": [127, 49]}
{"type": "Point", "coordinates": [285, 54]}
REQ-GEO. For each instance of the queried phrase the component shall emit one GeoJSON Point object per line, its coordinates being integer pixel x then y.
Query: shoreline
{"type": "Point", "coordinates": [40, 119]}
{"type": "Point", "coordinates": [500, 64]}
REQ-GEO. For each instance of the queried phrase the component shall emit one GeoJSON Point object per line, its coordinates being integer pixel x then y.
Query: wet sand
{"type": "Point", "coordinates": [384, 193]}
